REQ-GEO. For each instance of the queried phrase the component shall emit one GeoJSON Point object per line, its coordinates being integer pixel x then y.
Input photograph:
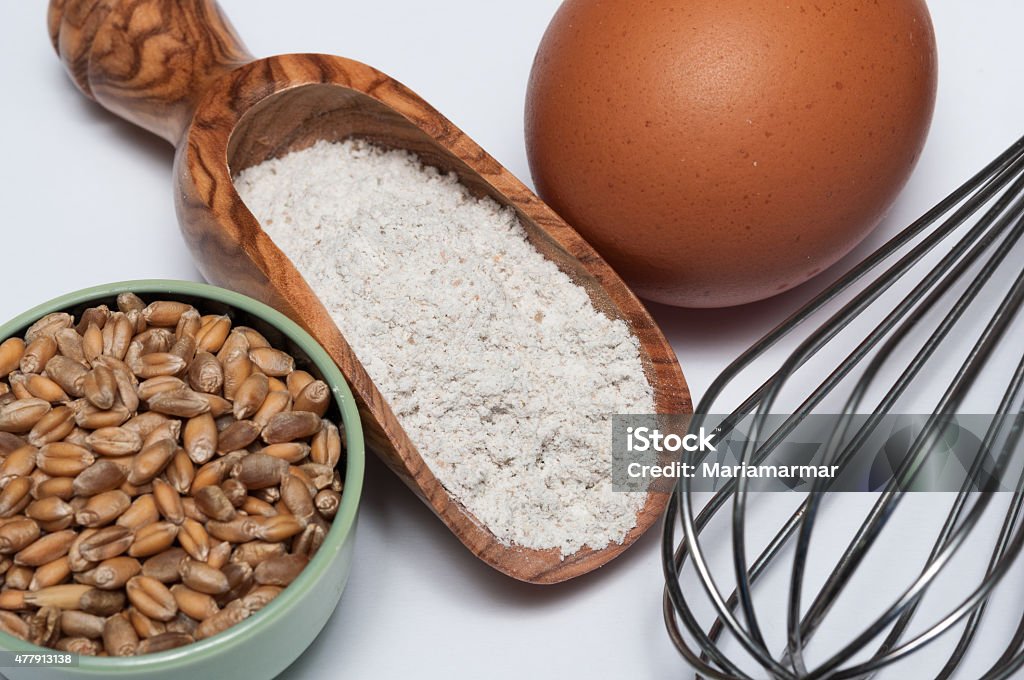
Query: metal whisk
{"type": "Point", "coordinates": [950, 283]}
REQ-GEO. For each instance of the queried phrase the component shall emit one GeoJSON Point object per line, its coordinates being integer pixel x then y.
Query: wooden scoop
{"type": "Point", "coordinates": [177, 69]}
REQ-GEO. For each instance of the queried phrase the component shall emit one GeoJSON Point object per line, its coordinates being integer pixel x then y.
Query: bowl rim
{"type": "Point", "coordinates": [344, 521]}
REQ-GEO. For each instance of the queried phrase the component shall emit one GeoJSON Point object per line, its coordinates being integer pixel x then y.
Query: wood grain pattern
{"type": "Point", "coordinates": [225, 113]}
{"type": "Point", "coordinates": [148, 61]}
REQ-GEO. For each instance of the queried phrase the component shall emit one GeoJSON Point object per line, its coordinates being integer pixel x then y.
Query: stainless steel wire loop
{"type": "Point", "coordinates": [971, 234]}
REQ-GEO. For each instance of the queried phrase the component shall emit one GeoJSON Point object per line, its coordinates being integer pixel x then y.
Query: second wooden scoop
{"type": "Point", "coordinates": [177, 68]}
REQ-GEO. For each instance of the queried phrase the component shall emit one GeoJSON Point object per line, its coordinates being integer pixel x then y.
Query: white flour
{"type": "Point", "coordinates": [498, 366]}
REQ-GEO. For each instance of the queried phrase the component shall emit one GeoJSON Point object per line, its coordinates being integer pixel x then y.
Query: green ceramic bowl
{"type": "Point", "coordinates": [266, 643]}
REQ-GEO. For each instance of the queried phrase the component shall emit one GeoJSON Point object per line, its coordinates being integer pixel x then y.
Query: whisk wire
{"type": "Point", "coordinates": [924, 446]}
{"type": "Point", "coordinates": [711, 662]}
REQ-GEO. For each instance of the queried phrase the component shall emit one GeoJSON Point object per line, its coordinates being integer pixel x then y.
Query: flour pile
{"type": "Point", "coordinates": [498, 366]}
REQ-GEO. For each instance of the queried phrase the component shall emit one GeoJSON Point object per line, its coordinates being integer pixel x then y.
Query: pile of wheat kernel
{"type": "Point", "coordinates": [164, 476]}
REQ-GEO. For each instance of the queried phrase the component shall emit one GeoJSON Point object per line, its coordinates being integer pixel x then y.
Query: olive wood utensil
{"type": "Point", "coordinates": [178, 69]}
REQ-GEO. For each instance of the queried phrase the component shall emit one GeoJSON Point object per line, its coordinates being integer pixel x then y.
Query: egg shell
{"type": "Point", "coordinates": [718, 152]}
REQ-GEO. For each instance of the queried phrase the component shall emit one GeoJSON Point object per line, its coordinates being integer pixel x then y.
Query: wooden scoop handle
{"type": "Point", "coordinates": [148, 61]}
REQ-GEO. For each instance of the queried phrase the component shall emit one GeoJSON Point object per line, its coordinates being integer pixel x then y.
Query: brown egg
{"type": "Point", "coordinates": [718, 152]}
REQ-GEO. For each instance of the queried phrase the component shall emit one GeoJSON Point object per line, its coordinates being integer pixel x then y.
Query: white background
{"type": "Point", "coordinates": [87, 200]}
